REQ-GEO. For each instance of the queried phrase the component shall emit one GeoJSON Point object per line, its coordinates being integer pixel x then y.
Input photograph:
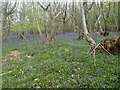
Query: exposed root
{"type": "Point", "coordinates": [109, 45]}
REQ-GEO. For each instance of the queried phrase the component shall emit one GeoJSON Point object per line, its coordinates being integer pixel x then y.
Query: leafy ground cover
{"type": "Point", "coordinates": [65, 64]}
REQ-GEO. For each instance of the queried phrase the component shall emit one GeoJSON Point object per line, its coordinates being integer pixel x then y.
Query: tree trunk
{"type": "Point", "coordinates": [119, 16]}
{"type": "Point", "coordinates": [64, 19]}
{"type": "Point", "coordinates": [4, 29]}
{"type": "Point", "coordinates": [46, 33]}
{"type": "Point", "coordinates": [64, 26]}
{"type": "Point", "coordinates": [43, 41]}
{"type": "Point", "coordinates": [80, 35]}
{"type": "Point", "coordinates": [52, 36]}
{"type": "Point", "coordinates": [1, 24]}
{"type": "Point", "coordinates": [88, 38]}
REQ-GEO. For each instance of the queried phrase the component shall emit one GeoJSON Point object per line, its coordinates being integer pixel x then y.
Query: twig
{"type": "Point", "coordinates": [24, 37]}
{"type": "Point", "coordinates": [57, 15]}
{"type": "Point", "coordinates": [105, 50]}
{"type": "Point", "coordinates": [95, 48]}
{"type": "Point", "coordinates": [94, 58]}
{"type": "Point", "coordinates": [89, 50]}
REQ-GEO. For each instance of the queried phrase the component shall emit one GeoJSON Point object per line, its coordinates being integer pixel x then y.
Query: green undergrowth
{"type": "Point", "coordinates": [65, 64]}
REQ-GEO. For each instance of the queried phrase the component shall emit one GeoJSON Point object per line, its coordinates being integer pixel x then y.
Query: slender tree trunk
{"type": "Point", "coordinates": [46, 33]}
{"type": "Point", "coordinates": [64, 28]}
{"type": "Point", "coordinates": [4, 20]}
{"type": "Point", "coordinates": [80, 35]}
{"type": "Point", "coordinates": [4, 30]}
{"type": "Point", "coordinates": [1, 26]}
{"type": "Point", "coordinates": [119, 16]}
{"type": "Point", "coordinates": [54, 15]}
{"type": "Point", "coordinates": [52, 36]}
{"type": "Point", "coordinates": [43, 41]}
{"type": "Point", "coordinates": [64, 18]}
{"type": "Point", "coordinates": [45, 24]}
{"type": "Point", "coordinates": [105, 23]}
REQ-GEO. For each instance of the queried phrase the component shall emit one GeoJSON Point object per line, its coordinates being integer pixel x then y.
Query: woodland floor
{"type": "Point", "coordinates": [65, 64]}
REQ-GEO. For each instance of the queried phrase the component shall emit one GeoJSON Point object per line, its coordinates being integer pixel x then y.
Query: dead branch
{"type": "Point", "coordinates": [57, 15]}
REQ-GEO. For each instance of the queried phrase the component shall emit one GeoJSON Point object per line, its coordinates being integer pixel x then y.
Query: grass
{"type": "Point", "coordinates": [64, 64]}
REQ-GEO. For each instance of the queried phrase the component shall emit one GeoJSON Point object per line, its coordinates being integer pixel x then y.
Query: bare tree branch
{"type": "Point", "coordinates": [57, 15]}
{"type": "Point", "coordinates": [91, 6]}
{"type": "Point", "coordinates": [12, 10]}
{"type": "Point", "coordinates": [44, 8]}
